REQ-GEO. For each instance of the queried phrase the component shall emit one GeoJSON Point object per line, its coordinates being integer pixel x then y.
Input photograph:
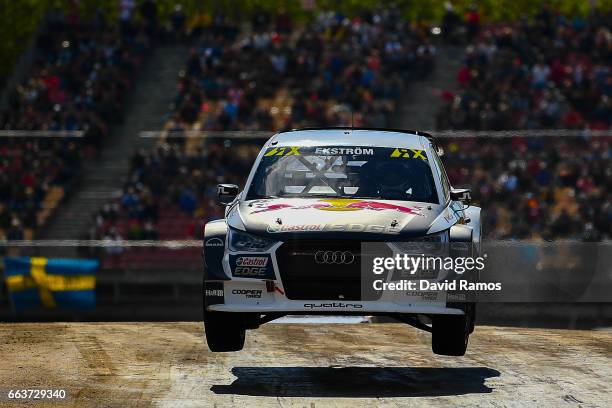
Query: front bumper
{"type": "Point", "coordinates": [255, 297]}
{"type": "Point", "coordinates": [330, 306]}
{"type": "Point", "coordinates": [253, 283]}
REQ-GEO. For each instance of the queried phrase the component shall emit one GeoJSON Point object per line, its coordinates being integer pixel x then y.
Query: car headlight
{"type": "Point", "coordinates": [429, 244]}
{"type": "Point", "coordinates": [241, 241]}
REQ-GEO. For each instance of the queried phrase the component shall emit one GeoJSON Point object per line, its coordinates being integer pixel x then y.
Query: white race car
{"type": "Point", "coordinates": [292, 240]}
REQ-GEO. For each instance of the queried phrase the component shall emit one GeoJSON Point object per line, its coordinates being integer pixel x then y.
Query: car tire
{"type": "Point", "coordinates": [472, 316]}
{"type": "Point", "coordinates": [450, 334]}
{"type": "Point", "coordinates": [224, 331]}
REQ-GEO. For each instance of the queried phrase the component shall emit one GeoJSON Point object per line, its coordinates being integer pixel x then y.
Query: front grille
{"type": "Point", "coordinates": [305, 279]}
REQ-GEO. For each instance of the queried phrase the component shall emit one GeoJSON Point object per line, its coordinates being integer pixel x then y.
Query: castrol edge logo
{"type": "Point", "coordinates": [260, 261]}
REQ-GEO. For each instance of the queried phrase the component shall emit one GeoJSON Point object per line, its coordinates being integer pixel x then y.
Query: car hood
{"type": "Point", "coordinates": [368, 219]}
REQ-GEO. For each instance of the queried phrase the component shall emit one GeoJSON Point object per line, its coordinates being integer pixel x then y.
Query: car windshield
{"type": "Point", "coordinates": [344, 171]}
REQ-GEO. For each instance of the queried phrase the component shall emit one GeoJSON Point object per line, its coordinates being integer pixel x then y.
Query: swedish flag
{"type": "Point", "coordinates": [36, 281]}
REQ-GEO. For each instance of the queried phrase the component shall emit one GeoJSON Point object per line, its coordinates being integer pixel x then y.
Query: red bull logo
{"type": "Point", "coordinates": [341, 204]}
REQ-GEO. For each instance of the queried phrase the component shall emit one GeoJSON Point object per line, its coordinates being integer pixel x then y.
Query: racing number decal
{"type": "Point", "coordinates": [283, 151]}
{"type": "Point", "coordinates": [409, 154]}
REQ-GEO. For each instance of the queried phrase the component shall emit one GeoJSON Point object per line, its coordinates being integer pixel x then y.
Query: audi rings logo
{"type": "Point", "coordinates": [334, 257]}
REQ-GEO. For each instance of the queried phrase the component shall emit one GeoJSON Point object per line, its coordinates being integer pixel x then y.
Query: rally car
{"type": "Point", "coordinates": [291, 240]}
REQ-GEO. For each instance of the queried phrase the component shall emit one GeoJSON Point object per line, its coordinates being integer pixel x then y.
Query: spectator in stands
{"type": "Point", "coordinates": [536, 188]}
{"type": "Point", "coordinates": [472, 19]}
{"type": "Point", "coordinates": [15, 232]}
{"type": "Point", "coordinates": [79, 79]}
{"type": "Point", "coordinates": [150, 231]}
{"type": "Point", "coordinates": [81, 72]}
{"type": "Point", "coordinates": [178, 21]}
{"type": "Point", "coordinates": [543, 73]}
{"type": "Point", "coordinates": [354, 70]}
{"type": "Point", "coordinates": [451, 24]}
{"type": "Point", "coordinates": [339, 70]}
{"type": "Point", "coordinates": [148, 11]}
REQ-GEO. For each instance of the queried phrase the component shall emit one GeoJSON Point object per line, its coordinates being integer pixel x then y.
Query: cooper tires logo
{"type": "Point", "coordinates": [248, 293]}
{"type": "Point", "coordinates": [334, 257]}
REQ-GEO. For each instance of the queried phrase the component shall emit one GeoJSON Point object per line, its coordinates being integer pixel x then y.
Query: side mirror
{"type": "Point", "coordinates": [227, 193]}
{"type": "Point", "coordinates": [461, 194]}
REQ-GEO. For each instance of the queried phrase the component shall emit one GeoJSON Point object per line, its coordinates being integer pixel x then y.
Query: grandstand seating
{"type": "Point", "coordinates": [530, 188]}
{"type": "Point", "coordinates": [333, 71]}
{"type": "Point", "coordinates": [81, 72]}
{"type": "Point", "coordinates": [34, 175]}
{"type": "Point", "coordinates": [308, 76]}
{"type": "Point", "coordinates": [537, 188]}
{"type": "Point", "coordinates": [547, 72]}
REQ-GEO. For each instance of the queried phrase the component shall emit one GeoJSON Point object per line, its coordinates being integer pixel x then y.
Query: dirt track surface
{"type": "Point", "coordinates": [388, 365]}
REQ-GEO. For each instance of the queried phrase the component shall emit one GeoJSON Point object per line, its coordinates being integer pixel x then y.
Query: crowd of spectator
{"type": "Point", "coordinates": [530, 188]}
{"type": "Point", "coordinates": [166, 178]}
{"type": "Point", "coordinates": [333, 71]}
{"type": "Point", "coordinates": [548, 72]}
{"type": "Point", "coordinates": [537, 188]}
{"type": "Point", "coordinates": [541, 73]}
{"type": "Point", "coordinates": [541, 188]}
{"type": "Point", "coordinates": [27, 171]}
{"type": "Point", "coordinates": [81, 71]}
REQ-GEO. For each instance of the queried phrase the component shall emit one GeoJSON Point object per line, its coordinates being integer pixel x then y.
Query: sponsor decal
{"type": "Point", "coordinates": [264, 207]}
{"type": "Point", "coordinates": [213, 293]}
{"type": "Point", "coordinates": [295, 228]}
{"type": "Point", "coordinates": [256, 267]}
{"type": "Point", "coordinates": [333, 304]}
{"type": "Point", "coordinates": [322, 151]}
{"type": "Point", "coordinates": [252, 261]}
{"type": "Point", "coordinates": [353, 227]}
{"type": "Point", "coordinates": [409, 154]}
{"type": "Point", "coordinates": [340, 204]}
{"type": "Point", "coordinates": [424, 295]}
{"type": "Point", "coordinates": [283, 151]}
{"type": "Point", "coordinates": [331, 151]}
{"type": "Point", "coordinates": [214, 242]}
{"type": "Point", "coordinates": [248, 293]}
{"type": "Point", "coordinates": [250, 272]}
{"type": "Point", "coordinates": [373, 228]}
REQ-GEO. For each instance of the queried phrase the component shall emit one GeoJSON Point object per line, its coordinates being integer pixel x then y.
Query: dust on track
{"type": "Point", "coordinates": [343, 365]}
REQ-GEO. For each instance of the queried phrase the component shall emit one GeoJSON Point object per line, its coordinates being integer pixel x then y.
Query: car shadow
{"type": "Point", "coordinates": [360, 382]}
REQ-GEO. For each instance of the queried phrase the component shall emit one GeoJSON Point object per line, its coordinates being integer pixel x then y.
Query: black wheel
{"type": "Point", "coordinates": [472, 316]}
{"type": "Point", "coordinates": [224, 331]}
{"type": "Point", "coordinates": [450, 334]}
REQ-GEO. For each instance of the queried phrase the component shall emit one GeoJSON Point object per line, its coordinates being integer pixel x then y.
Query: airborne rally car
{"type": "Point", "coordinates": [292, 242]}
